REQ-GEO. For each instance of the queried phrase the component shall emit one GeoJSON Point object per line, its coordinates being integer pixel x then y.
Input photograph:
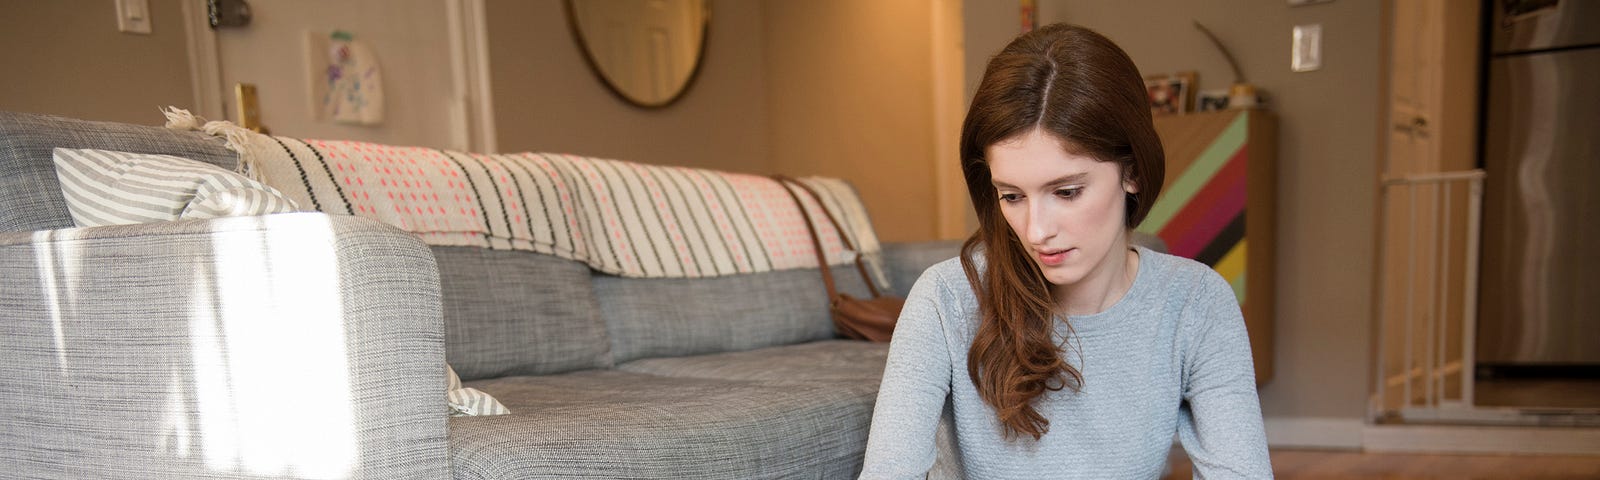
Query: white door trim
{"type": "Point", "coordinates": [1481, 439]}
{"type": "Point", "coordinates": [205, 70]}
{"type": "Point", "coordinates": [472, 101]}
{"type": "Point", "coordinates": [1356, 434]}
{"type": "Point", "coordinates": [1314, 432]}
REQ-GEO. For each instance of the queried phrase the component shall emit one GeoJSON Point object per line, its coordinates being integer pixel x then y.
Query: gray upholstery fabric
{"type": "Point", "coordinates": [178, 349]}
{"type": "Point", "coordinates": [840, 363]}
{"type": "Point", "coordinates": [1148, 241]}
{"type": "Point", "coordinates": [656, 317]}
{"type": "Point", "coordinates": [30, 197]}
{"type": "Point", "coordinates": [613, 424]}
{"type": "Point", "coordinates": [904, 262]}
{"type": "Point", "coordinates": [829, 361]}
{"type": "Point", "coordinates": [518, 313]}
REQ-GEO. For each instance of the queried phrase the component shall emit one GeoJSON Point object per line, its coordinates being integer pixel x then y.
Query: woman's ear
{"type": "Point", "coordinates": [1128, 185]}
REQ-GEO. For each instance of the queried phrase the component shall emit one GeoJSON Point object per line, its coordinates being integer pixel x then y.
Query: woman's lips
{"type": "Point", "coordinates": [1051, 258]}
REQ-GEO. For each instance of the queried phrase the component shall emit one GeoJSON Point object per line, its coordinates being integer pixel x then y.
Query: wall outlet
{"type": "Point", "coordinates": [133, 16]}
{"type": "Point", "coordinates": [1306, 54]}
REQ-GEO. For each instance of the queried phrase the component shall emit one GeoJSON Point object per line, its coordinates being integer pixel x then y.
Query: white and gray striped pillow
{"type": "Point", "coordinates": [104, 187]}
{"type": "Point", "coordinates": [469, 401]}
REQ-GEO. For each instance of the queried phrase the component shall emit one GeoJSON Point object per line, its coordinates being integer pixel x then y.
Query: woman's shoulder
{"type": "Point", "coordinates": [945, 284]}
{"type": "Point", "coordinates": [948, 273]}
{"type": "Point", "coordinates": [1182, 275]}
{"type": "Point", "coordinates": [1190, 291]}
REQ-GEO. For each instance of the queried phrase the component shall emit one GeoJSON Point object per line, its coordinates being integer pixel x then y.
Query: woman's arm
{"type": "Point", "coordinates": [916, 381]}
{"type": "Point", "coordinates": [1220, 421]}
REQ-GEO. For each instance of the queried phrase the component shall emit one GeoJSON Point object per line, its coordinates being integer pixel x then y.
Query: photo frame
{"type": "Point", "coordinates": [1171, 94]}
{"type": "Point", "coordinates": [1212, 100]}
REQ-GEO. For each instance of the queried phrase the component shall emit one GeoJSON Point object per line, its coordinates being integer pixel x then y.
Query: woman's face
{"type": "Point", "coordinates": [1067, 209]}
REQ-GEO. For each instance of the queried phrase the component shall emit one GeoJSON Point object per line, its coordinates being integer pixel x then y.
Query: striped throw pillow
{"type": "Point", "coordinates": [104, 187]}
{"type": "Point", "coordinates": [469, 401]}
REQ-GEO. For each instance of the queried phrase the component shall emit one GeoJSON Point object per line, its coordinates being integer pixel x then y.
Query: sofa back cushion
{"type": "Point", "coordinates": [518, 313]}
{"type": "Point", "coordinates": [666, 317]}
{"type": "Point", "coordinates": [30, 196]}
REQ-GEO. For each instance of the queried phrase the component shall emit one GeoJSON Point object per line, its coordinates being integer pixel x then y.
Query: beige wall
{"type": "Point", "coordinates": [840, 88]}
{"type": "Point", "coordinates": [547, 99]}
{"type": "Point", "coordinates": [1327, 170]}
{"type": "Point", "coordinates": [67, 58]}
{"type": "Point", "coordinates": [850, 95]}
{"type": "Point", "coordinates": [988, 27]}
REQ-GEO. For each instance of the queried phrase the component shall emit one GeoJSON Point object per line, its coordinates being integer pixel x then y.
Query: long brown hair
{"type": "Point", "coordinates": [1079, 87]}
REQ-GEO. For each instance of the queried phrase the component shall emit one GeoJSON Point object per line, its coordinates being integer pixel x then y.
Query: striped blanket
{"type": "Point", "coordinates": [620, 218]}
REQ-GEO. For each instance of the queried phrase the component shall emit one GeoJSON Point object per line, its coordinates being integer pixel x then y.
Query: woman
{"type": "Point", "coordinates": [1063, 351]}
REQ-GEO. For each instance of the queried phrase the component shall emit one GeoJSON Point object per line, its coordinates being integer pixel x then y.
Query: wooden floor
{"type": "Point", "coordinates": [1332, 465]}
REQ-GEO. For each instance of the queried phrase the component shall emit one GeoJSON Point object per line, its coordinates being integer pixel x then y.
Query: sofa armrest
{"type": "Point", "coordinates": [288, 346]}
{"type": "Point", "coordinates": [904, 262]}
{"type": "Point", "coordinates": [1146, 240]}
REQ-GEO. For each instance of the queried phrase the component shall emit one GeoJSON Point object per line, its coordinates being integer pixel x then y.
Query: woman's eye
{"type": "Point", "coordinates": [1069, 193]}
{"type": "Point", "coordinates": [1010, 197]}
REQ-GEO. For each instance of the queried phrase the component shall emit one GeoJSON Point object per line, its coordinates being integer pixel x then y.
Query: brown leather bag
{"type": "Point", "coordinates": [869, 319]}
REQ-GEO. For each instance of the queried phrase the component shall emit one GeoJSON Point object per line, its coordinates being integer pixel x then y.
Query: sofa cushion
{"type": "Point", "coordinates": [675, 317]}
{"type": "Point", "coordinates": [613, 424]}
{"type": "Point", "coordinates": [30, 197]}
{"type": "Point", "coordinates": [906, 261]}
{"type": "Point", "coordinates": [518, 313]}
{"type": "Point", "coordinates": [843, 362]}
{"type": "Point", "coordinates": [107, 187]}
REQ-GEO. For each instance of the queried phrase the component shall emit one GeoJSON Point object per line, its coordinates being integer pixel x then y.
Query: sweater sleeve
{"type": "Point", "coordinates": [1220, 419]}
{"type": "Point", "coordinates": [916, 382]}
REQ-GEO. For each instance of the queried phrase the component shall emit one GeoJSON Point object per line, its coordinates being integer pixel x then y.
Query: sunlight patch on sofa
{"type": "Point", "coordinates": [272, 376]}
{"type": "Point", "coordinates": [45, 257]}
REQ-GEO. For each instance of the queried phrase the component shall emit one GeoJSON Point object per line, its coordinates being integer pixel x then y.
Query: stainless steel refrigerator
{"type": "Point", "coordinates": [1540, 278]}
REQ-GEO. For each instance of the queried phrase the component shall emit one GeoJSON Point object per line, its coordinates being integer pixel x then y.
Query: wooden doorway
{"type": "Point", "coordinates": [1428, 229]}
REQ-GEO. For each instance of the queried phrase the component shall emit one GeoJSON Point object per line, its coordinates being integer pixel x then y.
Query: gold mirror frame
{"type": "Point", "coordinates": [616, 87]}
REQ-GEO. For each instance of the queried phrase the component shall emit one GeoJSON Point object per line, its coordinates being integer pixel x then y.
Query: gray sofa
{"type": "Point", "coordinates": [313, 346]}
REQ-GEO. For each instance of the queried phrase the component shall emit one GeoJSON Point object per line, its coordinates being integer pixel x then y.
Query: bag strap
{"type": "Point", "coordinates": [816, 242]}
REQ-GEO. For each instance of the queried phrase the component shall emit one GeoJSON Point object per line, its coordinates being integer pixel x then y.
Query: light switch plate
{"type": "Point", "coordinates": [1307, 49]}
{"type": "Point", "coordinates": [133, 16]}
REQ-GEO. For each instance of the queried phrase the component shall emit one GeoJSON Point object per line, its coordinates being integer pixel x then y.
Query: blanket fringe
{"type": "Point", "coordinates": [237, 137]}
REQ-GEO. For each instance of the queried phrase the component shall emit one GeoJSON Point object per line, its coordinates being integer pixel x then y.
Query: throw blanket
{"type": "Point", "coordinates": [620, 218]}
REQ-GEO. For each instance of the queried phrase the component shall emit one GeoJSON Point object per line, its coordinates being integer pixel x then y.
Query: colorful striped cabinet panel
{"type": "Point", "coordinates": [1217, 206]}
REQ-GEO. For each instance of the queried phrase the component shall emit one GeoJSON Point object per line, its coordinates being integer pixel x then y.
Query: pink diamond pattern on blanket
{"type": "Point", "coordinates": [402, 180]}
{"type": "Point", "coordinates": [781, 227]}
{"type": "Point", "coordinates": [619, 217]}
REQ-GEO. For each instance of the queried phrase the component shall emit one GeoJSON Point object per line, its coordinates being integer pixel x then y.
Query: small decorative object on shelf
{"type": "Point", "coordinates": [1171, 94]}
{"type": "Point", "coordinates": [1212, 100]}
{"type": "Point", "coordinates": [1029, 10]}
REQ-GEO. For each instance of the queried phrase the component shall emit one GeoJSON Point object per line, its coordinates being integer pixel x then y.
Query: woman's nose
{"type": "Point", "coordinates": [1040, 226]}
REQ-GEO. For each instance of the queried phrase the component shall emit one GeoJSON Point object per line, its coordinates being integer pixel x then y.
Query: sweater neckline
{"type": "Point", "coordinates": [1121, 310]}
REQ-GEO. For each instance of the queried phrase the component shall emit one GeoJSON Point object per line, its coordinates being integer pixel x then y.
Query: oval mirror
{"type": "Point", "coordinates": [645, 51]}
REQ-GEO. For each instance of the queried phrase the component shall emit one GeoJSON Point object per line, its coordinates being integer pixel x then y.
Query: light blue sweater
{"type": "Point", "coordinates": [1171, 356]}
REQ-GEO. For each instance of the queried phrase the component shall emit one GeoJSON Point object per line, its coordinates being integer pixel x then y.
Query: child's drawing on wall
{"type": "Point", "coordinates": [354, 91]}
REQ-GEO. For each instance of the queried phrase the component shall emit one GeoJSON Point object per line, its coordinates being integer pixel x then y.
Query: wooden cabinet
{"type": "Point", "coordinates": [1218, 206]}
